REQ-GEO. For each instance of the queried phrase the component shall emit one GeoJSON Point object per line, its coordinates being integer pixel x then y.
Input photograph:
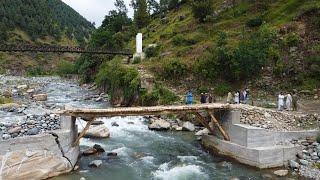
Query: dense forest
{"type": "Point", "coordinates": [41, 18]}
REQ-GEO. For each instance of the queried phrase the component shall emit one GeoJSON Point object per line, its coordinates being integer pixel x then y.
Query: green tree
{"type": "Point", "coordinates": [141, 14]}
{"type": "Point", "coordinates": [201, 9]}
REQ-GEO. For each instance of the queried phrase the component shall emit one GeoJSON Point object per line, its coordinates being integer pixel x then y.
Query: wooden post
{"type": "Point", "coordinates": [203, 122]}
{"type": "Point", "coordinates": [215, 121]}
{"type": "Point", "coordinates": [83, 132]}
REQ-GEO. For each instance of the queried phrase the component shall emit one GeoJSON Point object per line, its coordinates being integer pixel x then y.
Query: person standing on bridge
{"type": "Point", "coordinates": [203, 98]}
{"type": "Point", "coordinates": [280, 101]}
{"type": "Point", "coordinates": [237, 97]}
{"type": "Point", "coordinates": [289, 102]}
{"type": "Point", "coordinates": [189, 97]}
{"type": "Point", "coordinates": [229, 98]}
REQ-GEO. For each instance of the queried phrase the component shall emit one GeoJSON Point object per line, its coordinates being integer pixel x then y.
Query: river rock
{"type": "Point", "coordinates": [33, 131]}
{"type": "Point", "coordinates": [115, 124]}
{"type": "Point", "coordinates": [100, 131]}
{"type": "Point", "coordinates": [266, 176]}
{"type": "Point", "coordinates": [293, 164]}
{"type": "Point", "coordinates": [202, 132]}
{"type": "Point", "coordinates": [159, 125]}
{"type": "Point", "coordinates": [94, 123]}
{"type": "Point", "coordinates": [95, 163]}
{"type": "Point", "coordinates": [98, 148]}
{"type": "Point", "coordinates": [6, 136]}
{"type": "Point", "coordinates": [188, 126]}
{"type": "Point", "coordinates": [82, 178]}
{"type": "Point", "coordinates": [40, 97]}
{"type": "Point", "coordinates": [281, 173]}
{"type": "Point", "coordinates": [22, 87]}
{"type": "Point", "coordinates": [303, 162]}
{"type": "Point", "coordinates": [14, 130]}
{"type": "Point", "coordinates": [113, 154]}
{"type": "Point", "coordinates": [89, 151]}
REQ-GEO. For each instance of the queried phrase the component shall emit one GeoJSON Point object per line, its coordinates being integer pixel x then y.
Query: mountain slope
{"type": "Point", "coordinates": [41, 19]}
{"type": "Point", "coordinates": [50, 22]}
{"type": "Point", "coordinates": [190, 56]}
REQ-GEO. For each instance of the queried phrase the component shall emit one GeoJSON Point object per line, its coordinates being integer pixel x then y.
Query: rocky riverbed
{"type": "Point", "coordinates": [36, 101]}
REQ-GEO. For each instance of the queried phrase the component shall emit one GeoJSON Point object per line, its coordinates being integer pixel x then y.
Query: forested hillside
{"type": "Point", "coordinates": [217, 46]}
{"type": "Point", "coordinates": [49, 22]}
{"type": "Point", "coordinates": [40, 19]}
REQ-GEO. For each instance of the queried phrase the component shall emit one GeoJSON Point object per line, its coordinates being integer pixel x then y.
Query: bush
{"type": "Point", "coordinates": [292, 39]}
{"type": "Point", "coordinates": [279, 69]}
{"type": "Point", "coordinates": [114, 76]}
{"type": "Point", "coordinates": [150, 98]}
{"type": "Point", "coordinates": [136, 60]}
{"type": "Point", "coordinates": [166, 96]}
{"type": "Point", "coordinates": [180, 40]}
{"type": "Point", "coordinates": [201, 9]}
{"type": "Point", "coordinates": [37, 71]}
{"type": "Point", "coordinates": [4, 100]}
{"type": "Point", "coordinates": [65, 68]}
{"type": "Point", "coordinates": [152, 51]}
{"type": "Point", "coordinates": [202, 89]}
{"type": "Point", "coordinates": [174, 69]}
{"type": "Point", "coordinates": [222, 89]}
{"type": "Point", "coordinates": [255, 22]}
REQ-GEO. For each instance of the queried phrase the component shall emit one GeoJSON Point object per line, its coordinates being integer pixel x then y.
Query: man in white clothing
{"type": "Point", "coordinates": [280, 101]}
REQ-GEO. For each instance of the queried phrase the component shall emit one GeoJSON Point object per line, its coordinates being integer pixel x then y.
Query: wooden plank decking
{"type": "Point", "coordinates": [140, 111]}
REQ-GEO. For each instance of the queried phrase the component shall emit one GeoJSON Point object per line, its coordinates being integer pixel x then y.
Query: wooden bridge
{"type": "Point", "coordinates": [61, 49]}
{"type": "Point", "coordinates": [90, 115]}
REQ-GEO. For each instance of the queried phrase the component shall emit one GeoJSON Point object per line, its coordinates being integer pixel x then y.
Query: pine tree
{"type": "Point", "coordinates": [141, 14]}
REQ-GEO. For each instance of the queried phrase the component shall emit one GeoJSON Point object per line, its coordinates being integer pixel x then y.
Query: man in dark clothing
{"type": "Point", "coordinates": [203, 98]}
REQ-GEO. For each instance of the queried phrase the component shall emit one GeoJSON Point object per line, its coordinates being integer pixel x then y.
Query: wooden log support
{"type": "Point", "coordinates": [203, 122]}
{"type": "Point", "coordinates": [216, 122]}
{"type": "Point", "coordinates": [83, 132]}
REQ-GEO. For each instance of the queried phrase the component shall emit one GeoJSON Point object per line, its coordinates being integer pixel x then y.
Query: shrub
{"type": "Point", "coordinates": [65, 68]}
{"type": "Point", "coordinates": [292, 39]}
{"type": "Point", "coordinates": [37, 71]}
{"type": "Point", "coordinates": [152, 51]}
{"type": "Point", "coordinates": [202, 89]}
{"type": "Point", "coordinates": [279, 69]}
{"type": "Point", "coordinates": [136, 60]}
{"type": "Point", "coordinates": [114, 76]}
{"type": "Point", "coordinates": [150, 98]}
{"type": "Point", "coordinates": [255, 22]}
{"type": "Point", "coordinates": [201, 9]}
{"type": "Point", "coordinates": [222, 89]}
{"type": "Point", "coordinates": [180, 40]}
{"type": "Point", "coordinates": [166, 96]}
{"type": "Point", "coordinates": [174, 69]}
{"type": "Point", "coordinates": [4, 100]}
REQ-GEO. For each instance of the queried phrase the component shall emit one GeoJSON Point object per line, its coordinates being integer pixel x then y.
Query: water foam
{"type": "Point", "coordinates": [179, 172]}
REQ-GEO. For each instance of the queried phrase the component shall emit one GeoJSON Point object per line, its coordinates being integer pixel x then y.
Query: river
{"type": "Point", "coordinates": [142, 154]}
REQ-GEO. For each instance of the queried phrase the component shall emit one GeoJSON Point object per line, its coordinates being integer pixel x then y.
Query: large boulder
{"type": "Point", "coordinates": [99, 131]}
{"type": "Point", "coordinates": [40, 164]}
{"type": "Point", "coordinates": [40, 97]}
{"type": "Point", "coordinates": [159, 125]}
{"type": "Point", "coordinates": [188, 126]}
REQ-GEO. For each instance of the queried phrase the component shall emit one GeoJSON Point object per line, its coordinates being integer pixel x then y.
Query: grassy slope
{"type": "Point", "coordinates": [279, 13]}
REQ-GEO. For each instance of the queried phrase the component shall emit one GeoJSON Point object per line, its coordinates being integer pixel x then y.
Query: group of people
{"type": "Point", "coordinates": [238, 97]}
{"type": "Point", "coordinates": [287, 102]}
{"type": "Point", "coordinates": [204, 98]}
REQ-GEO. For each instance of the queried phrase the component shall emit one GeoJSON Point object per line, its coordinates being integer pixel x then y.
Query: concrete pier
{"type": "Point", "coordinates": [254, 146]}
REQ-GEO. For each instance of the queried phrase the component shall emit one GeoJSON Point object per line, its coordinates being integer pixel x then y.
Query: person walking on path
{"type": "Point", "coordinates": [295, 102]}
{"type": "Point", "coordinates": [280, 101]}
{"type": "Point", "coordinates": [289, 102]}
{"type": "Point", "coordinates": [237, 97]}
{"type": "Point", "coordinates": [229, 98]}
{"type": "Point", "coordinates": [189, 97]}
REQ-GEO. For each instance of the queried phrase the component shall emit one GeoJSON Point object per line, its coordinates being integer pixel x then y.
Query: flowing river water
{"type": "Point", "coordinates": [143, 154]}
